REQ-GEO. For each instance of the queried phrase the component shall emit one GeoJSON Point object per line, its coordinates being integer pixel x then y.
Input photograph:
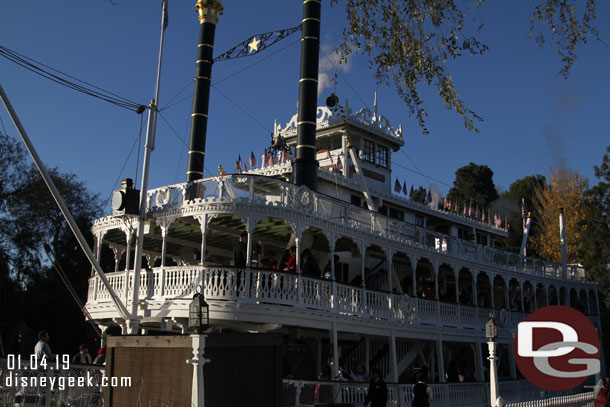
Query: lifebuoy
{"type": "Point", "coordinates": [503, 318]}
{"type": "Point", "coordinates": [407, 305]}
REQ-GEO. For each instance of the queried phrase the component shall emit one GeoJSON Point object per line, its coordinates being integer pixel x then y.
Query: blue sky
{"type": "Point", "coordinates": [534, 118]}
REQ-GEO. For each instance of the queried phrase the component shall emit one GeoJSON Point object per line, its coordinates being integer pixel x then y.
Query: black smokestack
{"type": "Point", "coordinates": [208, 10]}
{"type": "Point", "coordinates": [305, 167]}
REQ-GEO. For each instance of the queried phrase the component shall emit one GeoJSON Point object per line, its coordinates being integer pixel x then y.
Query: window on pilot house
{"type": "Point", "coordinates": [382, 156]}
{"type": "Point", "coordinates": [368, 151]}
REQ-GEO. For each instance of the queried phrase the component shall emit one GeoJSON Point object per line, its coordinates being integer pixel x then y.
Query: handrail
{"type": "Point", "coordinates": [261, 189]}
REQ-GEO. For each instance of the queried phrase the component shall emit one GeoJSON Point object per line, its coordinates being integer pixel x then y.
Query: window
{"type": "Point", "coordinates": [382, 156]}
{"type": "Point", "coordinates": [368, 151]}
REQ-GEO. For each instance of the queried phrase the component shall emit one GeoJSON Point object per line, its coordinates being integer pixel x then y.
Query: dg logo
{"type": "Point", "coordinates": [556, 348]}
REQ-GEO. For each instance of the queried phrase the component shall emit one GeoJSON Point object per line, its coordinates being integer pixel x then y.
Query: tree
{"type": "Point", "coordinates": [595, 252]}
{"type": "Point", "coordinates": [566, 190]}
{"type": "Point", "coordinates": [29, 217]}
{"type": "Point", "coordinates": [409, 42]}
{"type": "Point", "coordinates": [474, 186]}
{"type": "Point", "coordinates": [522, 189]}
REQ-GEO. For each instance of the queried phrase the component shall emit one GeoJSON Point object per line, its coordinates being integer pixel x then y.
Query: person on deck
{"type": "Point", "coordinates": [291, 264]}
{"type": "Point", "coordinates": [310, 265]}
{"type": "Point", "coordinates": [378, 391]}
{"type": "Point", "coordinates": [422, 394]}
{"type": "Point", "coordinates": [240, 249]}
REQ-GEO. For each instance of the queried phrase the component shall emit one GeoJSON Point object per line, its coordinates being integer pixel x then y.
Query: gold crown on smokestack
{"type": "Point", "coordinates": [209, 10]}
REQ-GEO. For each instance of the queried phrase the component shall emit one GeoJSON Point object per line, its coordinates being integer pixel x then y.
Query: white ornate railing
{"type": "Point", "coordinates": [519, 393]}
{"type": "Point", "coordinates": [263, 190]}
{"type": "Point", "coordinates": [252, 286]}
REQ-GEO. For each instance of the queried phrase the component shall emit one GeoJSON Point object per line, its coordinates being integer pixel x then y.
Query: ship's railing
{"type": "Point", "coordinates": [262, 190]}
{"type": "Point", "coordinates": [519, 393]}
{"type": "Point", "coordinates": [21, 385]}
{"type": "Point", "coordinates": [253, 286]}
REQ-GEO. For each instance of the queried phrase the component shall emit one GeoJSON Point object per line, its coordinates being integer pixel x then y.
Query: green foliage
{"type": "Point", "coordinates": [473, 185]}
{"type": "Point", "coordinates": [409, 43]}
{"type": "Point", "coordinates": [595, 252]}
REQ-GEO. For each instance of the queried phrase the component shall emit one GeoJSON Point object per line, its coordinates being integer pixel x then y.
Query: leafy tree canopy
{"type": "Point", "coordinates": [473, 185]}
{"type": "Point", "coordinates": [409, 42]}
{"type": "Point", "coordinates": [566, 190]}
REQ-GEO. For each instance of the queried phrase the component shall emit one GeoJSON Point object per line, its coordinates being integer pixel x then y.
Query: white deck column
{"type": "Point", "coordinates": [128, 238]}
{"type": "Point", "coordinates": [511, 362]}
{"type": "Point", "coordinates": [164, 231]}
{"type": "Point", "coordinates": [478, 361]}
{"type": "Point", "coordinates": [203, 222]}
{"type": "Point", "coordinates": [491, 285]}
{"type": "Point", "coordinates": [414, 261]}
{"type": "Point", "coordinates": [394, 362]}
{"type": "Point", "coordinates": [520, 281]}
{"type": "Point", "coordinates": [335, 349]}
{"type": "Point", "coordinates": [440, 361]}
{"type": "Point", "coordinates": [250, 228]}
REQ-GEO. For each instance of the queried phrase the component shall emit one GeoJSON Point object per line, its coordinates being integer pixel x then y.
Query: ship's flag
{"type": "Point", "coordinates": [445, 204]}
{"type": "Point", "coordinates": [339, 164]}
{"type": "Point", "coordinates": [252, 160]}
{"type": "Point", "coordinates": [429, 197]}
{"type": "Point", "coordinates": [483, 218]}
{"type": "Point", "coordinates": [523, 212]}
{"type": "Point", "coordinates": [404, 187]}
{"type": "Point", "coordinates": [240, 163]}
{"type": "Point", "coordinates": [449, 206]}
{"type": "Point", "coordinates": [397, 186]}
{"type": "Point", "coordinates": [270, 158]}
{"type": "Point", "coordinates": [284, 156]}
{"type": "Point", "coordinates": [470, 210]}
{"type": "Point", "coordinates": [457, 208]}
{"type": "Point", "coordinates": [477, 213]}
{"type": "Point", "coordinates": [237, 166]}
{"type": "Point", "coordinates": [465, 210]}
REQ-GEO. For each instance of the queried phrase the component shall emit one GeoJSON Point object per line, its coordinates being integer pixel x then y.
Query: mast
{"type": "Point", "coordinates": [208, 10]}
{"type": "Point", "coordinates": [305, 167]}
{"type": "Point", "coordinates": [151, 129]}
{"type": "Point", "coordinates": [564, 254]}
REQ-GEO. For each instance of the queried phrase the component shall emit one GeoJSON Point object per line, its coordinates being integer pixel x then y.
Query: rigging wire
{"type": "Point", "coordinates": [242, 109]}
{"type": "Point", "coordinates": [179, 136]}
{"type": "Point", "coordinates": [61, 79]}
{"type": "Point", "coordinates": [237, 72]}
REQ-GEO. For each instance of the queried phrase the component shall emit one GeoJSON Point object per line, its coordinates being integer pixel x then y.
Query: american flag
{"type": "Point", "coordinates": [477, 213]}
{"type": "Point", "coordinates": [397, 186]}
{"type": "Point", "coordinates": [470, 211]}
{"type": "Point", "coordinates": [404, 187]}
{"type": "Point", "coordinates": [252, 160]}
{"type": "Point", "coordinates": [239, 163]}
{"type": "Point", "coordinates": [237, 166]}
{"type": "Point", "coordinates": [339, 164]}
{"type": "Point", "coordinates": [483, 217]}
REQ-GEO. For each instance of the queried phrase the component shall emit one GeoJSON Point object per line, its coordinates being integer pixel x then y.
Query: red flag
{"type": "Point", "coordinates": [477, 213]}
{"type": "Point", "coordinates": [252, 160]}
{"type": "Point", "coordinates": [284, 157]}
{"type": "Point", "coordinates": [397, 187]}
{"type": "Point", "coordinates": [465, 210]}
{"type": "Point", "coordinates": [483, 217]}
{"type": "Point", "coordinates": [404, 187]}
{"type": "Point", "coordinates": [237, 166]}
{"type": "Point", "coordinates": [470, 210]}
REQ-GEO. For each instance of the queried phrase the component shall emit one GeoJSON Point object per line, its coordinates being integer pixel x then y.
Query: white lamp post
{"type": "Point", "coordinates": [491, 332]}
{"type": "Point", "coordinates": [199, 321]}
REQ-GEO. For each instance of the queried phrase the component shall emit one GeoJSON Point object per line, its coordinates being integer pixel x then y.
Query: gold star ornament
{"type": "Point", "coordinates": [253, 45]}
